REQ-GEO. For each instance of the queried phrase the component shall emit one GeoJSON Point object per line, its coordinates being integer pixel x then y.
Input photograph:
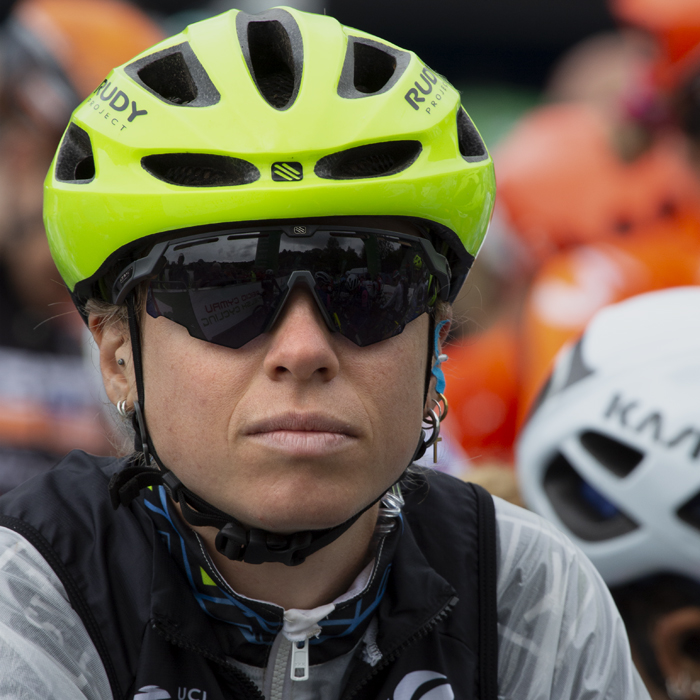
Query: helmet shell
{"type": "Point", "coordinates": [611, 454]}
{"type": "Point", "coordinates": [93, 214]}
{"type": "Point", "coordinates": [352, 282]}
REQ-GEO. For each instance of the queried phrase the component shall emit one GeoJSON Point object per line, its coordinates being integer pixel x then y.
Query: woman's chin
{"type": "Point", "coordinates": [298, 522]}
{"type": "Point", "coordinates": [289, 518]}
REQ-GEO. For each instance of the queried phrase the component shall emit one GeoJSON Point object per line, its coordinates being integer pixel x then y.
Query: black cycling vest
{"type": "Point", "coordinates": [436, 621]}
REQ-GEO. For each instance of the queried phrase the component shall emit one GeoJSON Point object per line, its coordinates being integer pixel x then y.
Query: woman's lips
{"type": "Point", "coordinates": [302, 434]}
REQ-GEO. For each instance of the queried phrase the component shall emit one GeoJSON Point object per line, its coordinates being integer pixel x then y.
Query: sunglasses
{"type": "Point", "coordinates": [229, 286]}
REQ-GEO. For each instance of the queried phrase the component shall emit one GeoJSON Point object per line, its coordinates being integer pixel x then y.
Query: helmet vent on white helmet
{"type": "Point", "coordinates": [372, 160]}
{"type": "Point", "coordinates": [200, 169]}
{"type": "Point", "coordinates": [471, 146]}
{"type": "Point", "coordinates": [176, 76]}
{"type": "Point", "coordinates": [615, 456]}
{"type": "Point", "coordinates": [583, 510]}
{"type": "Point", "coordinates": [370, 68]}
{"type": "Point", "coordinates": [75, 161]}
{"type": "Point", "coordinates": [690, 512]}
{"type": "Point", "coordinates": [273, 49]}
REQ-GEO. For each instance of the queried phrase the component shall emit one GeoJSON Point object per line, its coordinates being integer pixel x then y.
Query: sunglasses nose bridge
{"type": "Point", "coordinates": [305, 278]}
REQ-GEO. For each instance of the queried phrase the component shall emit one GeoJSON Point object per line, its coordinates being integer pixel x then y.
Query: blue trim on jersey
{"type": "Point", "coordinates": [224, 598]}
{"type": "Point", "coordinates": [347, 622]}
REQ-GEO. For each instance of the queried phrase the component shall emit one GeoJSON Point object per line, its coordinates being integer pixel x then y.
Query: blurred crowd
{"type": "Point", "coordinates": [53, 53]}
{"type": "Point", "coordinates": [598, 199]}
{"type": "Point", "coordinates": [563, 397]}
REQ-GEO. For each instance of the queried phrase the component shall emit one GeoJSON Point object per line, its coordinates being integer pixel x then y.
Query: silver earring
{"type": "Point", "coordinates": [121, 409]}
{"type": "Point", "coordinates": [442, 406]}
{"type": "Point", "coordinates": [121, 362]}
{"type": "Point", "coordinates": [433, 421]}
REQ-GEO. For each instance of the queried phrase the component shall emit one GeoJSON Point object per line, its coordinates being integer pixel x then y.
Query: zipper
{"type": "Point", "coordinates": [299, 667]}
{"type": "Point", "coordinates": [394, 653]}
{"type": "Point", "coordinates": [250, 689]}
{"type": "Point", "coordinates": [291, 659]}
{"type": "Point", "coordinates": [279, 667]}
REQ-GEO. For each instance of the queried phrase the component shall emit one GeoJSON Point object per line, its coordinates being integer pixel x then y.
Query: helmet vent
{"type": "Point", "coordinates": [471, 145]}
{"type": "Point", "coordinates": [585, 511]}
{"type": "Point", "coordinates": [373, 68]}
{"type": "Point", "coordinates": [372, 160]}
{"type": "Point", "coordinates": [75, 161]}
{"type": "Point", "coordinates": [169, 78]}
{"type": "Point", "coordinates": [200, 169]}
{"type": "Point", "coordinates": [370, 68]}
{"type": "Point", "coordinates": [690, 512]}
{"type": "Point", "coordinates": [272, 46]}
{"type": "Point", "coordinates": [615, 456]}
{"type": "Point", "coordinates": [176, 76]}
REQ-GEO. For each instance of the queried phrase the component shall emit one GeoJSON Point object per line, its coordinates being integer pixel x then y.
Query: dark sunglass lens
{"type": "Point", "coordinates": [222, 315]}
{"type": "Point", "coordinates": [221, 289]}
{"type": "Point", "coordinates": [388, 288]}
{"type": "Point", "coordinates": [227, 289]}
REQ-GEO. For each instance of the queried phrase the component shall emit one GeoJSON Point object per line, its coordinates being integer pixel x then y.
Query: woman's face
{"type": "Point", "coordinates": [298, 429]}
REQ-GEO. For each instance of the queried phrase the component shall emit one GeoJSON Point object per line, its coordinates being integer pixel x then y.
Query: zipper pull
{"type": "Point", "coordinates": [299, 669]}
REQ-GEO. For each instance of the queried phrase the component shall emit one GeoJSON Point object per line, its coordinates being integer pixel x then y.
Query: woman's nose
{"type": "Point", "coordinates": [301, 346]}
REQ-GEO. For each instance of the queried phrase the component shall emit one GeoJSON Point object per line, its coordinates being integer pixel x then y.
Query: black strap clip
{"type": "Point", "coordinates": [124, 486]}
{"type": "Point", "coordinates": [258, 547]}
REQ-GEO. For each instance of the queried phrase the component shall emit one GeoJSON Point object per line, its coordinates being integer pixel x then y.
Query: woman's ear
{"type": "Point", "coordinates": [114, 344]}
{"type": "Point", "coordinates": [676, 643]}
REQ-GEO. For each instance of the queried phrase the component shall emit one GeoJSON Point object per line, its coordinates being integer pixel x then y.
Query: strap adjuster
{"type": "Point", "coordinates": [258, 546]}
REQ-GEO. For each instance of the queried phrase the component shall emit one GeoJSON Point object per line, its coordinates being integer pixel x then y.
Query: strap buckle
{"type": "Point", "coordinates": [258, 546]}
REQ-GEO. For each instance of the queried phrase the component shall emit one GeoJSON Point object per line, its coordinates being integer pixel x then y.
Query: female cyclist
{"type": "Point", "coordinates": [268, 538]}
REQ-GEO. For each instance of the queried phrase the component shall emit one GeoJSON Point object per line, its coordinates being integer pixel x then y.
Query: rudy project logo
{"type": "Point", "coordinates": [118, 100]}
{"type": "Point", "coordinates": [424, 684]}
{"type": "Point", "coordinates": [287, 172]}
{"type": "Point", "coordinates": [152, 692]}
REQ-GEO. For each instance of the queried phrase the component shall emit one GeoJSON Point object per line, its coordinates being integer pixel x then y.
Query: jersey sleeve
{"type": "Point", "coordinates": [45, 650]}
{"type": "Point", "coordinates": [560, 634]}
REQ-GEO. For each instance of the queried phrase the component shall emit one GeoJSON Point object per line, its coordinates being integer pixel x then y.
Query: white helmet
{"type": "Point", "coordinates": [323, 277]}
{"type": "Point", "coordinates": [611, 452]}
{"type": "Point", "coordinates": [352, 282]}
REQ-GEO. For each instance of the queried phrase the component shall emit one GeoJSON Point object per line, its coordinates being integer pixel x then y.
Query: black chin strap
{"type": "Point", "coordinates": [234, 540]}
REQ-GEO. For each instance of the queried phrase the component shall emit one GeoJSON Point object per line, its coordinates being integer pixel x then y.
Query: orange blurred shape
{"type": "Point", "coordinates": [675, 24]}
{"type": "Point", "coordinates": [88, 37]}
{"type": "Point", "coordinates": [482, 390]}
{"type": "Point", "coordinates": [27, 425]}
{"type": "Point", "coordinates": [560, 182]}
{"type": "Point", "coordinates": [571, 287]}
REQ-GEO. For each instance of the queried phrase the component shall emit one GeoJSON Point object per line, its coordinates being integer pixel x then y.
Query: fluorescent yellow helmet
{"type": "Point", "coordinates": [278, 116]}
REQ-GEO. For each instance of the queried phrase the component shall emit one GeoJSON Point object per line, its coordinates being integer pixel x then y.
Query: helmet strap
{"type": "Point", "coordinates": [234, 540]}
{"type": "Point", "coordinates": [431, 370]}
